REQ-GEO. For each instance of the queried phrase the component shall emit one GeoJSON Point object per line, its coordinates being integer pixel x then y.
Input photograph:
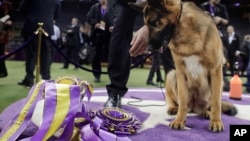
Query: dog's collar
{"type": "Point", "coordinates": [179, 17]}
{"type": "Point", "coordinates": [170, 30]}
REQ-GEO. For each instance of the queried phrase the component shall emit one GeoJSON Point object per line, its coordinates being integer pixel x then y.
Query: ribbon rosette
{"type": "Point", "coordinates": [119, 121]}
{"type": "Point", "coordinates": [110, 124]}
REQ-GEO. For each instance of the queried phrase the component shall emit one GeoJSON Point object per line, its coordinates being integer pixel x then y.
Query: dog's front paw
{"type": "Point", "coordinates": [216, 126]}
{"type": "Point", "coordinates": [177, 125]}
{"type": "Point", "coordinates": [172, 110]}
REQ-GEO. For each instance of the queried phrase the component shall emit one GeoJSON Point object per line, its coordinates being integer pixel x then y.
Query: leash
{"type": "Point", "coordinates": [139, 100]}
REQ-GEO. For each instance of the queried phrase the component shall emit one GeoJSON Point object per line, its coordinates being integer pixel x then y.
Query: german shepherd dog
{"type": "Point", "coordinates": [196, 83]}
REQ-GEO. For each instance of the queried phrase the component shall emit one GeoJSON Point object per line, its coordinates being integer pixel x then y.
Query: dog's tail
{"type": "Point", "coordinates": [228, 108]}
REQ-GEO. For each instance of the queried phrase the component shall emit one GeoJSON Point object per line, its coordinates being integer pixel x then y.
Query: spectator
{"type": "Point", "coordinates": [87, 51]}
{"type": "Point", "coordinates": [72, 43]}
{"type": "Point", "coordinates": [232, 44]}
{"type": "Point", "coordinates": [98, 17]}
{"type": "Point", "coordinates": [220, 15]}
{"type": "Point", "coordinates": [218, 12]}
{"type": "Point", "coordinates": [155, 68]}
{"type": "Point", "coordinates": [5, 28]}
{"type": "Point", "coordinates": [244, 53]}
{"type": "Point", "coordinates": [245, 48]}
{"type": "Point", "coordinates": [56, 39]}
{"type": "Point", "coordinates": [34, 11]}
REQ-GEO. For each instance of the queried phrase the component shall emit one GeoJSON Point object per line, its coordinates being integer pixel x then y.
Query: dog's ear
{"type": "Point", "coordinates": [160, 3]}
{"type": "Point", "coordinates": [155, 3]}
{"type": "Point", "coordinates": [139, 6]}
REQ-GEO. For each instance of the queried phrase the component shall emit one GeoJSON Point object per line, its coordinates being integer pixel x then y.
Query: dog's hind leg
{"type": "Point", "coordinates": [216, 124]}
{"type": "Point", "coordinates": [227, 108]}
{"type": "Point", "coordinates": [182, 91]}
{"type": "Point", "coordinates": [171, 93]}
{"type": "Point", "coordinates": [206, 114]}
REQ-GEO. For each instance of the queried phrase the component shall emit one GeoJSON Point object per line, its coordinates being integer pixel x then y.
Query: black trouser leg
{"type": "Point", "coordinates": [30, 60]}
{"type": "Point", "coordinates": [3, 69]}
{"type": "Point", "coordinates": [67, 53]}
{"type": "Point", "coordinates": [96, 64]}
{"type": "Point", "coordinates": [45, 60]}
{"type": "Point", "coordinates": [119, 57]}
{"type": "Point", "coordinates": [154, 66]}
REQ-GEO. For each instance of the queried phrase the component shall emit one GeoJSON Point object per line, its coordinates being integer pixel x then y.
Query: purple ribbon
{"type": "Point", "coordinates": [48, 113]}
{"type": "Point", "coordinates": [50, 105]}
{"type": "Point", "coordinates": [32, 99]}
{"type": "Point", "coordinates": [67, 132]}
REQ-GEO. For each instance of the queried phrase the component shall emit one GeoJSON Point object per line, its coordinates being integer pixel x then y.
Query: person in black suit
{"type": "Point", "coordinates": [73, 42]}
{"type": "Point", "coordinates": [6, 10]}
{"type": "Point", "coordinates": [119, 57]}
{"type": "Point", "coordinates": [35, 11]}
{"type": "Point", "coordinates": [232, 44]}
{"type": "Point", "coordinates": [244, 54]}
{"type": "Point", "coordinates": [218, 12]}
{"type": "Point", "coordinates": [98, 17]}
{"type": "Point", "coordinates": [121, 49]}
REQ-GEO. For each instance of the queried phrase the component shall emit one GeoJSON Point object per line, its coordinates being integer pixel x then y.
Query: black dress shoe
{"type": "Point", "coordinates": [114, 100]}
{"type": "Point", "coordinates": [160, 80]}
{"type": "Point", "coordinates": [25, 83]}
{"type": "Point", "coordinates": [151, 83]}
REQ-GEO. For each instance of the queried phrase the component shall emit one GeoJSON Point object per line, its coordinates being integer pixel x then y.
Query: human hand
{"type": "Point", "coordinates": [217, 19]}
{"type": "Point", "coordinates": [97, 25]}
{"type": "Point", "coordinates": [139, 42]}
{"type": "Point", "coordinates": [111, 28]}
{"type": "Point", "coordinates": [9, 22]}
{"type": "Point", "coordinates": [237, 53]}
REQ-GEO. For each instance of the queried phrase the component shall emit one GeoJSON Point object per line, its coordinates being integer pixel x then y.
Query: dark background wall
{"type": "Point", "coordinates": [239, 12]}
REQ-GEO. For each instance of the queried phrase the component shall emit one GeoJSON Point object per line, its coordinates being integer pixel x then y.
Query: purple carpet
{"type": "Point", "coordinates": [151, 110]}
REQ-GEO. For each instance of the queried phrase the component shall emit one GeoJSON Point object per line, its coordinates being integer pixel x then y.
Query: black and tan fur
{"type": "Point", "coordinates": [196, 83]}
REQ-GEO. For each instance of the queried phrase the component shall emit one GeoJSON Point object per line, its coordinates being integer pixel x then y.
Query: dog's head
{"type": "Point", "coordinates": [160, 17]}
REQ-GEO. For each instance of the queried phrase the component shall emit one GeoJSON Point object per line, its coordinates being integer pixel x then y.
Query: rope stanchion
{"type": "Point", "coordinates": [40, 31]}
{"type": "Point", "coordinates": [18, 49]}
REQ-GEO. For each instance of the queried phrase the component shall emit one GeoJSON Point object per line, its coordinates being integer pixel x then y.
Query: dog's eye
{"type": "Point", "coordinates": [152, 23]}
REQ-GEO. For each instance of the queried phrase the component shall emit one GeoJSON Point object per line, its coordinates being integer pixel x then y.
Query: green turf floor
{"type": "Point", "coordinates": [11, 92]}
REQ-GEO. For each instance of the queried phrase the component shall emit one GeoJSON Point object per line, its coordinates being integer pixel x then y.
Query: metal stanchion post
{"type": "Point", "coordinates": [40, 31]}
